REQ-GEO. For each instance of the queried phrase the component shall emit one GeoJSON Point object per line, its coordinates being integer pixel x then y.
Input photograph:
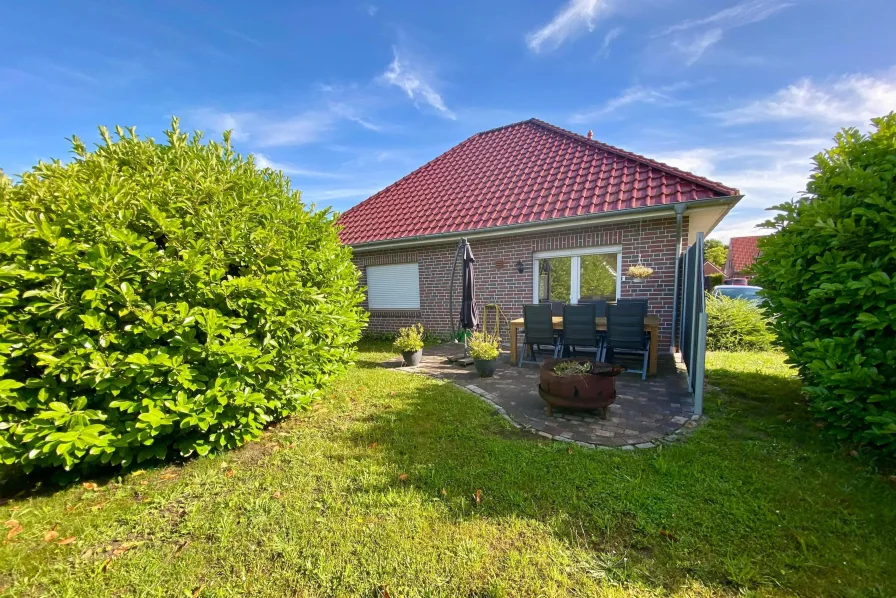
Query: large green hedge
{"type": "Point", "coordinates": [161, 299]}
{"type": "Point", "coordinates": [829, 273]}
{"type": "Point", "coordinates": [736, 325]}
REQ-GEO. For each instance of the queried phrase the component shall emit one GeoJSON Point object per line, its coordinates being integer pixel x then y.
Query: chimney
{"type": "Point", "coordinates": [590, 134]}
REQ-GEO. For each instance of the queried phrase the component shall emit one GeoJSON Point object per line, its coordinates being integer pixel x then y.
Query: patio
{"type": "Point", "coordinates": [645, 412]}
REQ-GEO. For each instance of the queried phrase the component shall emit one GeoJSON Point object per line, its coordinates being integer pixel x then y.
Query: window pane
{"type": "Point", "coordinates": [598, 277]}
{"type": "Point", "coordinates": [554, 277]}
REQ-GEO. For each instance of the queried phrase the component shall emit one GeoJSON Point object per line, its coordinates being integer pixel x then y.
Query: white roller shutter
{"type": "Point", "coordinates": [393, 286]}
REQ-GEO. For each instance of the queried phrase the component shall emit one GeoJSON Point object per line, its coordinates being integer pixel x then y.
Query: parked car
{"type": "Point", "coordinates": [745, 292]}
{"type": "Point", "coordinates": [740, 282]}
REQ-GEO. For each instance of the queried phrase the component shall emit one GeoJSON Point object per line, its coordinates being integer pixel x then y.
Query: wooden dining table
{"type": "Point", "coordinates": [651, 325]}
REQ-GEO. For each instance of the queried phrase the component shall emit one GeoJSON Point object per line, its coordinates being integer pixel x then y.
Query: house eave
{"type": "Point", "coordinates": [568, 222]}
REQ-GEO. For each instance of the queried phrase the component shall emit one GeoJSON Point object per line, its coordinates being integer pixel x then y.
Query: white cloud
{"type": "Point", "coordinates": [325, 195]}
{"type": "Point", "coordinates": [850, 100]}
{"type": "Point", "coordinates": [611, 35]}
{"type": "Point", "coordinates": [740, 227]}
{"type": "Point", "coordinates": [767, 173]}
{"type": "Point", "coordinates": [576, 17]}
{"type": "Point", "coordinates": [264, 162]}
{"type": "Point", "coordinates": [413, 80]}
{"type": "Point", "coordinates": [745, 13]}
{"type": "Point", "coordinates": [266, 131]}
{"type": "Point", "coordinates": [694, 47]}
{"type": "Point", "coordinates": [633, 95]}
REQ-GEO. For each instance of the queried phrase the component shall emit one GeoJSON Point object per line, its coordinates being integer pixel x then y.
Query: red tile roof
{"type": "Point", "coordinates": [742, 252]}
{"type": "Point", "coordinates": [710, 268]}
{"type": "Point", "coordinates": [521, 173]}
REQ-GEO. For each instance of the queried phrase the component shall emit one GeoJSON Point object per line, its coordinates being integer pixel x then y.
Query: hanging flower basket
{"type": "Point", "coordinates": [640, 271]}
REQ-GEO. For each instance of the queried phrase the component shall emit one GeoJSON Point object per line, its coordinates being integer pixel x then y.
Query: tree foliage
{"type": "Point", "coordinates": [829, 273]}
{"type": "Point", "coordinates": [161, 299]}
{"type": "Point", "coordinates": [715, 252]}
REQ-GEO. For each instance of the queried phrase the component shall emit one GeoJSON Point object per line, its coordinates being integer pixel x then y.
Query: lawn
{"type": "Point", "coordinates": [397, 485]}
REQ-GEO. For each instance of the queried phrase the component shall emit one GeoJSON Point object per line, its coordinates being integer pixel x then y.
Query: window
{"type": "Point", "coordinates": [394, 286]}
{"type": "Point", "coordinates": [570, 276]}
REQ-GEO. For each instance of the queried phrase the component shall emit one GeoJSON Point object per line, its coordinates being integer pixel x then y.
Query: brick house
{"type": "Point", "coordinates": [550, 216]}
{"type": "Point", "coordinates": [742, 252]}
{"type": "Point", "coordinates": [709, 269]}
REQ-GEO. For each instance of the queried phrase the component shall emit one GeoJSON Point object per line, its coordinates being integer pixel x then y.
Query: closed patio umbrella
{"type": "Point", "coordinates": [468, 318]}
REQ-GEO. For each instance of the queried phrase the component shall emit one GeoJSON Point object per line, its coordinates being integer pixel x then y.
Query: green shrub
{"type": "Point", "coordinates": [736, 325]}
{"type": "Point", "coordinates": [161, 299]}
{"type": "Point", "coordinates": [484, 346]}
{"type": "Point", "coordinates": [715, 280]}
{"type": "Point", "coordinates": [410, 339]}
{"type": "Point", "coordinates": [830, 276]}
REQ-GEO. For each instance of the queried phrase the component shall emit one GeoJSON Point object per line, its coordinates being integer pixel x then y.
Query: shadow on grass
{"type": "Point", "coordinates": [733, 506]}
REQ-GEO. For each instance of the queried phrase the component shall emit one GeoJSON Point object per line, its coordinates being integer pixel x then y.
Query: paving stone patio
{"type": "Point", "coordinates": [645, 412]}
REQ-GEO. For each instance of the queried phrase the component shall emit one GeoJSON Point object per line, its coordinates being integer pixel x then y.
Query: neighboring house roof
{"type": "Point", "coordinates": [527, 172]}
{"type": "Point", "coordinates": [710, 268]}
{"type": "Point", "coordinates": [742, 252]}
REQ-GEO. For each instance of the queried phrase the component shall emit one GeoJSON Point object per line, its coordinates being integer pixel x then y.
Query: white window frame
{"type": "Point", "coordinates": [413, 302]}
{"type": "Point", "coordinates": [576, 268]}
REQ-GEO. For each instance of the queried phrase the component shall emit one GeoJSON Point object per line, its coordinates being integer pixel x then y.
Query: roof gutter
{"type": "Point", "coordinates": [570, 221]}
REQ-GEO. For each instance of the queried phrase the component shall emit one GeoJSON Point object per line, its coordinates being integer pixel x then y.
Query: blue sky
{"type": "Point", "coordinates": [347, 97]}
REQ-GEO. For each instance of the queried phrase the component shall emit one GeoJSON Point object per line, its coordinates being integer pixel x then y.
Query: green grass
{"type": "Point", "coordinates": [754, 503]}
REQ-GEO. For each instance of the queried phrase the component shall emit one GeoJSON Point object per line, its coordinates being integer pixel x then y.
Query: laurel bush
{"type": "Point", "coordinates": [162, 299]}
{"type": "Point", "coordinates": [829, 273]}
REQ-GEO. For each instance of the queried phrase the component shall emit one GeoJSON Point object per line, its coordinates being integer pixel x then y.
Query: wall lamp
{"type": "Point", "coordinates": [520, 267]}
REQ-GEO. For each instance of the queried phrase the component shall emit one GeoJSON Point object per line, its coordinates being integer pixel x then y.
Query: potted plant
{"type": "Point", "coordinates": [410, 343]}
{"type": "Point", "coordinates": [484, 350]}
{"type": "Point", "coordinates": [640, 271]}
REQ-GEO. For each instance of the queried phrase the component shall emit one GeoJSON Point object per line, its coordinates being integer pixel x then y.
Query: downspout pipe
{"type": "Point", "coordinates": [679, 217]}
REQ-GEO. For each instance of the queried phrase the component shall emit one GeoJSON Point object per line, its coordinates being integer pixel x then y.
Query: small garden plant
{"type": "Point", "coordinates": [572, 368]}
{"type": "Point", "coordinates": [410, 339]}
{"type": "Point", "coordinates": [484, 346]}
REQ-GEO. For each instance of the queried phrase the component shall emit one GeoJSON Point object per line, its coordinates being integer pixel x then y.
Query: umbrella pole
{"type": "Point", "coordinates": [451, 321]}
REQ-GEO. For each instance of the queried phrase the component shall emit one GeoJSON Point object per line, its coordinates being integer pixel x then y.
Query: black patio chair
{"type": "Point", "coordinates": [538, 326]}
{"type": "Point", "coordinates": [557, 308]}
{"type": "Point", "coordinates": [631, 300]}
{"type": "Point", "coordinates": [579, 331]}
{"type": "Point", "coordinates": [625, 332]}
{"type": "Point", "coordinates": [600, 306]}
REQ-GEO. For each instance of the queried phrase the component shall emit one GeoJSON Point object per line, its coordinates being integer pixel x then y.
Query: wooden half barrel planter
{"type": "Point", "coordinates": [594, 389]}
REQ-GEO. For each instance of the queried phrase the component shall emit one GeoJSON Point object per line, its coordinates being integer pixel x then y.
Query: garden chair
{"type": "Point", "coordinates": [600, 306]}
{"type": "Point", "coordinates": [538, 328]}
{"type": "Point", "coordinates": [579, 330]}
{"type": "Point", "coordinates": [557, 308]}
{"type": "Point", "coordinates": [625, 332]}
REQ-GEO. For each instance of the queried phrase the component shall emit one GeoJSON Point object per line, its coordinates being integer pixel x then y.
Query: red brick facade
{"type": "Point", "coordinates": [498, 281]}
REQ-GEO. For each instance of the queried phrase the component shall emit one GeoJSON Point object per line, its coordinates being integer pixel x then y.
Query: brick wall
{"type": "Point", "coordinates": [498, 281]}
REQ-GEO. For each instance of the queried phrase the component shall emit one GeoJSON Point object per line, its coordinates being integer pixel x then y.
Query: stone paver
{"type": "Point", "coordinates": [645, 412]}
